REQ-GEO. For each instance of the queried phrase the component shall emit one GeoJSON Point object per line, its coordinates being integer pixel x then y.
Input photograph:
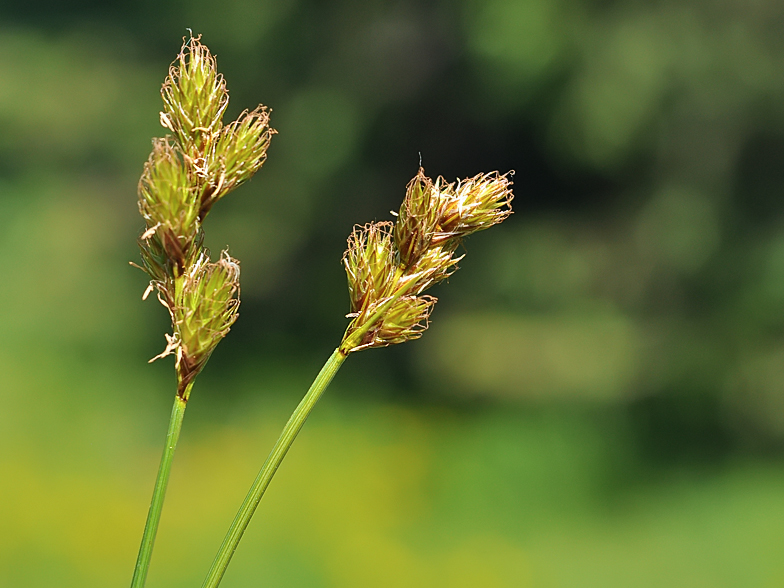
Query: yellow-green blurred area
{"type": "Point", "coordinates": [600, 398]}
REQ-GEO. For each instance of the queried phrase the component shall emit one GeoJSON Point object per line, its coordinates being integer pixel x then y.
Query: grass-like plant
{"type": "Point", "coordinates": [187, 172]}
{"type": "Point", "coordinates": [389, 267]}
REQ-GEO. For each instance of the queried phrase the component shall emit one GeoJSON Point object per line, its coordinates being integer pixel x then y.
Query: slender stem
{"type": "Point", "coordinates": [269, 468]}
{"type": "Point", "coordinates": [156, 505]}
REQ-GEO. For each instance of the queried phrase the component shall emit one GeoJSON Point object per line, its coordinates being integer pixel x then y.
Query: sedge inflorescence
{"type": "Point", "coordinates": [188, 171]}
{"type": "Point", "coordinates": [390, 265]}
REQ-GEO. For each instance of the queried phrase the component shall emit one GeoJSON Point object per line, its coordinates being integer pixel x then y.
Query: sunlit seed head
{"type": "Point", "coordinates": [204, 308]}
{"type": "Point", "coordinates": [406, 320]}
{"type": "Point", "coordinates": [416, 220]}
{"type": "Point", "coordinates": [370, 262]}
{"type": "Point", "coordinates": [389, 268]}
{"type": "Point", "coordinates": [187, 172]}
{"type": "Point", "coordinates": [473, 205]}
{"type": "Point", "coordinates": [194, 96]}
{"type": "Point", "coordinates": [238, 153]}
{"type": "Point", "coordinates": [166, 193]}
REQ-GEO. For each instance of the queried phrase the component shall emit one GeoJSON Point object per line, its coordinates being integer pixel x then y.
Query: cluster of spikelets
{"type": "Point", "coordinates": [389, 266]}
{"type": "Point", "coordinates": [185, 175]}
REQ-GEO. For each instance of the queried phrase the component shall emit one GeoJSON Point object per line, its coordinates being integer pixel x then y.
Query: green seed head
{"type": "Point", "coordinates": [203, 308]}
{"type": "Point", "coordinates": [405, 320]}
{"type": "Point", "coordinates": [436, 264]}
{"type": "Point", "coordinates": [167, 196]}
{"type": "Point", "coordinates": [169, 205]}
{"type": "Point", "coordinates": [194, 97]}
{"type": "Point", "coordinates": [207, 304]}
{"type": "Point", "coordinates": [238, 153]}
{"type": "Point", "coordinates": [370, 265]}
{"type": "Point", "coordinates": [185, 175]}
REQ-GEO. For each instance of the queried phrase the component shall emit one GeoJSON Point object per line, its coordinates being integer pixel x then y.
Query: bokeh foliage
{"type": "Point", "coordinates": [600, 397]}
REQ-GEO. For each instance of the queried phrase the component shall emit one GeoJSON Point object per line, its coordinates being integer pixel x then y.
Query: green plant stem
{"type": "Point", "coordinates": [269, 468]}
{"type": "Point", "coordinates": [159, 493]}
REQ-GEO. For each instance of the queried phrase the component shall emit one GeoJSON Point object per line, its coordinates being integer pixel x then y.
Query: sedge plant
{"type": "Point", "coordinates": [188, 171]}
{"type": "Point", "coordinates": [389, 267]}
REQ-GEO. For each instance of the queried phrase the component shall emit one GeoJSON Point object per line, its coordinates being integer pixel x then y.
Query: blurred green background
{"type": "Point", "coordinates": [600, 398]}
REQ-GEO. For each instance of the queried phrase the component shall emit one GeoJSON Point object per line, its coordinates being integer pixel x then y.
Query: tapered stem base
{"type": "Point", "coordinates": [159, 493]}
{"type": "Point", "coordinates": [269, 468]}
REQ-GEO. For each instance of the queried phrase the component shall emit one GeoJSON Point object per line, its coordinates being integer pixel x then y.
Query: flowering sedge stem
{"type": "Point", "coordinates": [284, 442]}
{"type": "Point", "coordinates": [159, 493]}
{"type": "Point", "coordinates": [269, 468]}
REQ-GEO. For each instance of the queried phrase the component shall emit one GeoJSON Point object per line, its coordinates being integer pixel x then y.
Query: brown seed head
{"type": "Point", "coordinates": [417, 220]}
{"type": "Point", "coordinates": [389, 268]}
{"type": "Point", "coordinates": [473, 205]}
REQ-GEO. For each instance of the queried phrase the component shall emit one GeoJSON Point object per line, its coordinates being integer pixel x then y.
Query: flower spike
{"type": "Point", "coordinates": [185, 175]}
{"type": "Point", "coordinates": [390, 266]}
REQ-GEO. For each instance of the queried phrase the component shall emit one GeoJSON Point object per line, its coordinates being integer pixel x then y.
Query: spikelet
{"type": "Point", "coordinates": [194, 98]}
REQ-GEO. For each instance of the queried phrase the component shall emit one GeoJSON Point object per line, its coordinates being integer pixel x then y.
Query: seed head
{"type": "Point", "coordinates": [194, 97]}
{"type": "Point", "coordinates": [184, 176]}
{"type": "Point", "coordinates": [169, 205]}
{"type": "Point", "coordinates": [436, 264]}
{"type": "Point", "coordinates": [166, 194]}
{"type": "Point", "coordinates": [389, 267]}
{"type": "Point", "coordinates": [405, 320]}
{"type": "Point", "coordinates": [238, 153]}
{"type": "Point", "coordinates": [473, 205]}
{"type": "Point", "coordinates": [203, 309]}
{"type": "Point", "coordinates": [370, 264]}
{"type": "Point", "coordinates": [417, 220]}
